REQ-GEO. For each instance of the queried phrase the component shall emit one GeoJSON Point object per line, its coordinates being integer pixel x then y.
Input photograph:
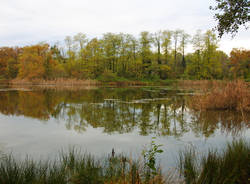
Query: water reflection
{"type": "Point", "coordinates": [148, 111]}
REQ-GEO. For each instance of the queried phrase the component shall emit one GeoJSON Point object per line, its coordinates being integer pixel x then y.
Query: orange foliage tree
{"type": "Point", "coordinates": [9, 62]}
{"type": "Point", "coordinates": [240, 63]}
{"type": "Point", "coordinates": [3, 63]}
{"type": "Point", "coordinates": [35, 62]}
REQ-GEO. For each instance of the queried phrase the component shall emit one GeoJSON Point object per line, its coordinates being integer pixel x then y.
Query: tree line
{"type": "Point", "coordinates": [118, 56]}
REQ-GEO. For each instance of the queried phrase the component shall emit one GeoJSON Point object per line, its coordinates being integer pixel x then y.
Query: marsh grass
{"type": "Point", "coordinates": [75, 167]}
{"type": "Point", "coordinates": [55, 82]}
{"type": "Point", "coordinates": [231, 166]}
{"type": "Point", "coordinates": [234, 95]}
{"type": "Point", "coordinates": [73, 84]}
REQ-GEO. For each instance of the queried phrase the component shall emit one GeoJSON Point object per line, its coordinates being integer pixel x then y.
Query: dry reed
{"type": "Point", "coordinates": [72, 82]}
{"type": "Point", "coordinates": [57, 82]}
{"type": "Point", "coordinates": [234, 95]}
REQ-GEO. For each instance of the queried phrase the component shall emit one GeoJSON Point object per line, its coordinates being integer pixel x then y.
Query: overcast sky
{"type": "Point", "coordinates": [24, 22]}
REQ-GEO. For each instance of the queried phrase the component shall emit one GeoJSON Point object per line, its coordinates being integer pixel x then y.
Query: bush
{"type": "Point", "coordinates": [108, 76]}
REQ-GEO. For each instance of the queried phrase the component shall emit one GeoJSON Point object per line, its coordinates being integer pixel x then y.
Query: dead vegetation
{"type": "Point", "coordinates": [60, 81]}
{"type": "Point", "coordinates": [233, 95]}
{"type": "Point", "coordinates": [64, 82]}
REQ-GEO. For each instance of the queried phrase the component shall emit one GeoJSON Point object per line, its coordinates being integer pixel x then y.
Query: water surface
{"type": "Point", "coordinates": [41, 122]}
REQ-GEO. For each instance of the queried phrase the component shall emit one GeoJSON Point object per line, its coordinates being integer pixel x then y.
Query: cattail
{"type": "Point", "coordinates": [113, 152]}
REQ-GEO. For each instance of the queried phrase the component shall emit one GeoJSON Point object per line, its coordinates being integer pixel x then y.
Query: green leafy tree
{"type": "Point", "coordinates": [210, 64]}
{"type": "Point", "coordinates": [93, 56]}
{"type": "Point", "coordinates": [80, 41]}
{"type": "Point", "coordinates": [166, 44]}
{"type": "Point", "coordinates": [146, 40]}
{"type": "Point", "coordinates": [231, 14]}
{"type": "Point", "coordinates": [176, 37]}
{"type": "Point", "coordinates": [157, 41]}
{"type": "Point", "coordinates": [184, 39]}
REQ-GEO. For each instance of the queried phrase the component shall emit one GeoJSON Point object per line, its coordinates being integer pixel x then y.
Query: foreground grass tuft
{"type": "Point", "coordinates": [75, 168]}
{"type": "Point", "coordinates": [232, 166]}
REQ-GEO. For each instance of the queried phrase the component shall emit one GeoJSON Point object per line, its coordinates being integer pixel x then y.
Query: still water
{"type": "Point", "coordinates": [42, 122]}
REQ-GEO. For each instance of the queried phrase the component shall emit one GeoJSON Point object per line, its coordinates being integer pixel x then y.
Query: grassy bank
{"type": "Point", "coordinates": [231, 166]}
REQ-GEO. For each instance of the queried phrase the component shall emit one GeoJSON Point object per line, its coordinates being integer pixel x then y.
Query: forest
{"type": "Point", "coordinates": [118, 56]}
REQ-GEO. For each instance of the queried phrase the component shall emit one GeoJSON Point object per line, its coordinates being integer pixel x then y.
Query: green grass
{"type": "Point", "coordinates": [74, 167]}
{"type": "Point", "coordinates": [109, 77]}
{"type": "Point", "coordinates": [231, 166]}
{"type": "Point", "coordinates": [247, 80]}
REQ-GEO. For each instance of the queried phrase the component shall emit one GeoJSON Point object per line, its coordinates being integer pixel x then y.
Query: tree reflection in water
{"type": "Point", "coordinates": [122, 110]}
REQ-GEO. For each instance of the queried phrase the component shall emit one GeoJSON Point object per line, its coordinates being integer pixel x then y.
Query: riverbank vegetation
{"type": "Point", "coordinates": [229, 166]}
{"type": "Point", "coordinates": [232, 165]}
{"type": "Point", "coordinates": [123, 57]}
{"type": "Point", "coordinates": [234, 95]}
{"type": "Point", "coordinates": [75, 168]}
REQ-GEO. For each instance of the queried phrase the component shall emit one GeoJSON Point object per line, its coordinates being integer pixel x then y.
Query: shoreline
{"type": "Point", "coordinates": [76, 82]}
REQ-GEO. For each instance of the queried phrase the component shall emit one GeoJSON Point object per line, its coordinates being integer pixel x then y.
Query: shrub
{"type": "Point", "coordinates": [108, 76]}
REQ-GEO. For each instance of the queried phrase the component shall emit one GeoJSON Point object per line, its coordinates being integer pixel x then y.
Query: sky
{"type": "Point", "coordinates": [26, 22]}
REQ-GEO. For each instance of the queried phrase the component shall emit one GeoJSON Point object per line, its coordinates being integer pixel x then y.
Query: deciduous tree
{"type": "Point", "coordinates": [231, 14]}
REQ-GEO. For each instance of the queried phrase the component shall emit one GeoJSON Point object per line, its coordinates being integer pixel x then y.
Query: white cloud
{"type": "Point", "coordinates": [30, 21]}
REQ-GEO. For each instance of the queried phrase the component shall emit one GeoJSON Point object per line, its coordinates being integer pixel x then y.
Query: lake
{"type": "Point", "coordinates": [41, 122]}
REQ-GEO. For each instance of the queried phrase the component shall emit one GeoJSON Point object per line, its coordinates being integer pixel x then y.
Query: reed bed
{"type": "Point", "coordinates": [66, 83]}
{"type": "Point", "coordinates": [57, 82]}
{"type": "Point", "coordinates": [234, 95]}
{"type": "Point", "coordinates": [231, 166]}
{"type": "Point", "coordinates": [75, 168]}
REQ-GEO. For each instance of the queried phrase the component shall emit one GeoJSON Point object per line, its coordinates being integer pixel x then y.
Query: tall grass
{"type": "Point", "coordinates": [67, 82]}
{"type": "Point", "coordinates": [234, 95]}
{"type": "Point", "coordinates": [75, 168]}
{"type": "Point", "coordinates": [57, 82]}
{"type": "Point", "coordinates": [232, 166]}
